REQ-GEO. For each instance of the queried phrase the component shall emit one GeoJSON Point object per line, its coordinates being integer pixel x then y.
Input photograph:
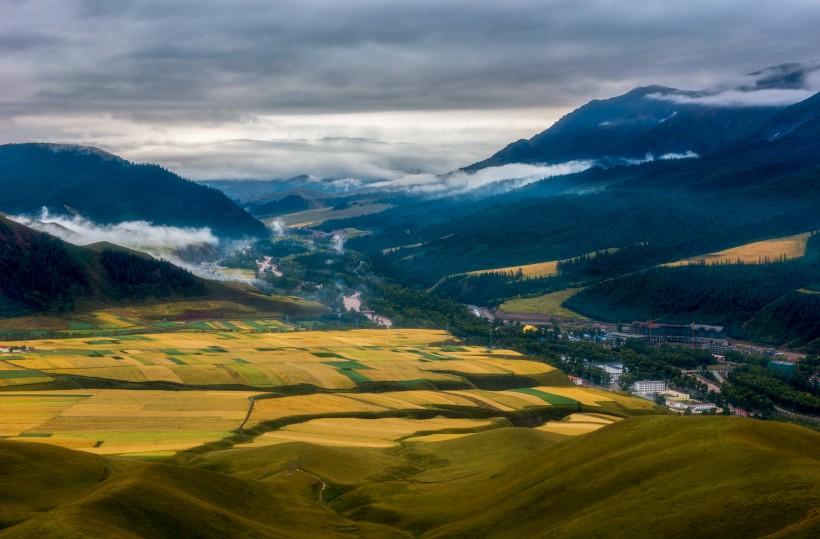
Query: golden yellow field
{"type": "Point", "coordinates": [355, 432]}
{"type": "Point", "coordinates": [539, 269]}
{"type": "Point", "coordinates": [222, 357]}
{"type": "Point", "coordinates": [115, 421]}
{"type": "Point", "coordinates": [577, 424]}
{"type": "Point", "coordinates": [112, 421]}
{"type": "Point", "coordinates": [754, 253]}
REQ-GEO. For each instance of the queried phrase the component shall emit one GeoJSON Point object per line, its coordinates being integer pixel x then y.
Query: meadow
{"type": "Point", "coordinates": [547, 304]}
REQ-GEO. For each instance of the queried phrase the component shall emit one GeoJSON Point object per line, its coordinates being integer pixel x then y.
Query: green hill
{"type": "Point", "coordinates": [655, 476]}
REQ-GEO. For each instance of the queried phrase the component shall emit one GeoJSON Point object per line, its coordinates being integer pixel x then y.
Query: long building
{"type": "Point", "coordinates": [705, 336]}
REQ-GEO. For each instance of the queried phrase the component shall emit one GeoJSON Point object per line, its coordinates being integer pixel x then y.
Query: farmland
{"type": "Point", "coordinates": [241, 382]}
{"type": "Point", "coordinates": [381, 432]}
{"type": "Point", "coordinates": [169, 316]}
{"type": "Point", "coordinates": [754, 253]}
{"type": "Point", "coordinates": [538, 269]}
{"type": "Point", "coordinates": [218, 355]}
{"type": "Point", "coordinates": [547, 304]}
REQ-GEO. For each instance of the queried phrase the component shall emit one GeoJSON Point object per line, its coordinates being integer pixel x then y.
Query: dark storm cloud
{"type": "Point", "coordinates": [369, 88]}
{"type": "Point", "coordinates": [163, 61]}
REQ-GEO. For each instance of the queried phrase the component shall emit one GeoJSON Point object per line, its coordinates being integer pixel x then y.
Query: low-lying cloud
{"type": "Point", "coordinates": [515, 174]}
{"type": "Point", "coordinates": [777, 97]}
{"type": "Point", "coordinates": [159, 240]}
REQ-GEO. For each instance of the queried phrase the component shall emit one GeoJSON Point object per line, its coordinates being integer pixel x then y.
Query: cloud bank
{"type": "Point", "coordinates": [515, 175]}
{"type": "Point", "coordinates": [139, 235]}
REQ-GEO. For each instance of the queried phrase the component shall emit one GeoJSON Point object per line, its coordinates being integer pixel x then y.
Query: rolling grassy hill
{"type": "Point", "coordinates": [107, 189]}
{"type": "Point", "coordinates": [678, 477]}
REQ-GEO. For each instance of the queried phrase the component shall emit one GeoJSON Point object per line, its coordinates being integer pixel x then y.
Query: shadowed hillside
{"type": "Point", "coordinates": [107, 189]}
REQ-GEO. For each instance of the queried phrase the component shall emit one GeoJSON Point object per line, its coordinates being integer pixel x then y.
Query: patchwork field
{"type": "Point", "coordinates": [170, 316]}
{"type": "Point", "coordinates": [115, 421]}
{"type": "Point", "coordinates": [225, 357]}
{"type": "Point", "coordinates": [754, 253]}
{"type": "Point", "coordinates": [160, 393]}
{"type": "Point", "coordinates": [548, 304]}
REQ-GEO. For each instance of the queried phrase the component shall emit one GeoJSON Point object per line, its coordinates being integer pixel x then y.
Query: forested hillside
{"type": "Point", "coordinates": [41, 273]}
{"type": "Point", "coordinates": [107, 189]}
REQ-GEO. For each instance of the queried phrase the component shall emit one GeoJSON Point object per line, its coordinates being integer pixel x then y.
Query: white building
{"type": "Point", "coordinates": [696, 407]}
{"type": "Point", "coordinates": [649, 386]}
{"type": "Point", "coordinates": [613, 370]}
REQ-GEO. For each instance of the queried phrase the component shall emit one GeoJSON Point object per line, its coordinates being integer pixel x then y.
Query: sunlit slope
{"type": "Point", "coordinates": [642, 477]}
{"type": "Point", "coordinates": [754, 253]}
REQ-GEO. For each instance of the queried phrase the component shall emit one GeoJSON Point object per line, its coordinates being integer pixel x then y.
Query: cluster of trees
{"type": "Point", "coordinates": [758, 389]}
{"type": "Point", "coordinates": [414, 308]}
{"type": "Point", "coordinates": [37, 271]}
{"type": "Point", "coordinates": [137, 276]}
{"type": "Point", "coordinates": [492, 289]}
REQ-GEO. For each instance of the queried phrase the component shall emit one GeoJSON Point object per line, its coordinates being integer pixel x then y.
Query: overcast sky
{"type": "Point", "coordinates": [261, 88]}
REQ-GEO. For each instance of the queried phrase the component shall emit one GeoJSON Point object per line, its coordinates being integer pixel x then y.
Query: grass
{"type": "Point", "coordinates": [754, 253]}
{"type": "Point", "coordinates": [548, 304]}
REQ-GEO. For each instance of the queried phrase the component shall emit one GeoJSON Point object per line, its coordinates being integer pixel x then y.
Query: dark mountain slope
{"type": "Point", "coordinates": [633, 125]}
{"type": "Point", "coordinates": [748, 191]}
{"type": "Point", "coordinates": [801, 120]}
{"type": "Point", "coordinates": [39, 272]}
{"type": "Point", "coordinates": [108, 189]}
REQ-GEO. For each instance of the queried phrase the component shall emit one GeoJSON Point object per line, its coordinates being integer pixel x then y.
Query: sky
{"type": "Point", "coordinates": [360, 88]}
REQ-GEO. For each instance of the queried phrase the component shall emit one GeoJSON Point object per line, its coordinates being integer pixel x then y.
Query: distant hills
{"type": "Point", "coordinates": [693, 477]}
{"type": "Point", "coordinates": [760, 181]}
{"type": "Point", "coordinates": [107, 189]}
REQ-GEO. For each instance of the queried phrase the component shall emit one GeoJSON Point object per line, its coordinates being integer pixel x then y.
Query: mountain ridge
{"type": "Point", "coordinates": [106, 189]}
